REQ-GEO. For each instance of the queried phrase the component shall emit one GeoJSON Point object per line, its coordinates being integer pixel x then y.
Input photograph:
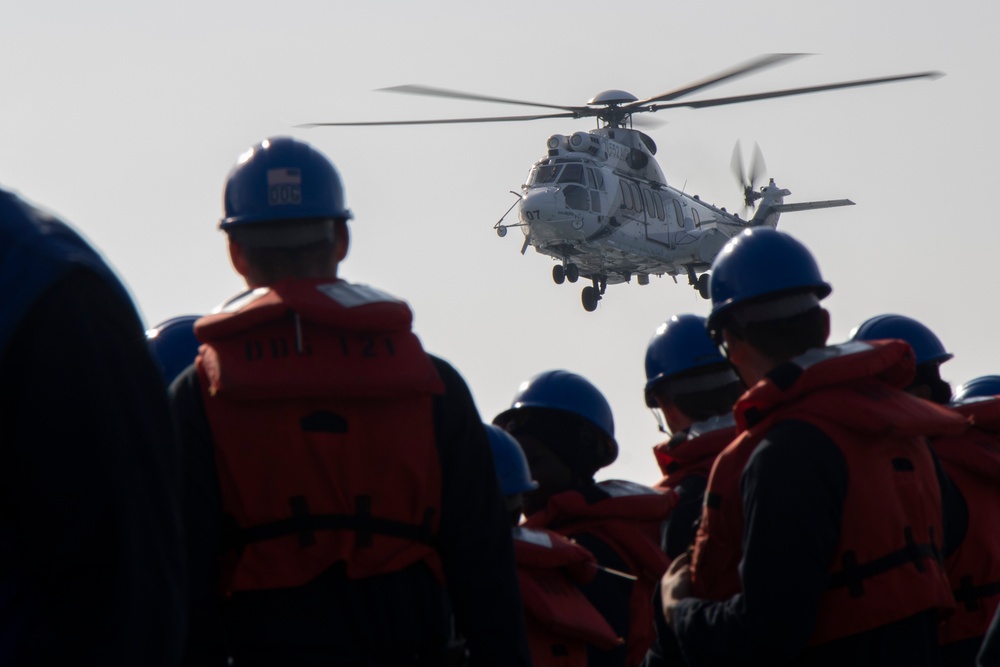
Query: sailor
{"type": "Point", "coordinates": [821, 536]}
{"type": "Point", "coordinates": [691, 389]}
{"type": "Point", "coordinates": [91, 570]}
{"type": "Point", "coordinates": [971, 462]}
{"type": "Point", "coordinates": [342, 504]}
{"type": "Point", "coordinates": [561, 622]}
{"type": "Point", "coordinates": [566, 429]}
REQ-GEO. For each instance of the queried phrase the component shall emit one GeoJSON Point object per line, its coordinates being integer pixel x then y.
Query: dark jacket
{"type": "Point", "coordinates": [90, 549]}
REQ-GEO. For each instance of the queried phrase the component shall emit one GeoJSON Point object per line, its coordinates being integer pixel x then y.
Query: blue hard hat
{"type": "Point", "coordinates": [282, 179]}
{"type": "Point", "coordinates": [510, 463]}
{"type": "Point", "coordinates": [680, 344]}
{"type": "Point", "coordinates": [987, 385]}
{"type": "Point", "coordinates": [762, 262]}
{"type": "Point", "coordinates": [926, 346]}
{"type": "Point", "coordinates": [568, 393]}
{"type": "Point", "coordinates": [173, 345]}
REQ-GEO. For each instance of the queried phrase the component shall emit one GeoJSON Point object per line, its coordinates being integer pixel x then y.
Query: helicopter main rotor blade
{"type": "Point", "coordinates": [441, 121]}
{"type": "Point", "coordinates": [749, 67]}
{"type": "Point", "coordinates": [458, 95]}
{"type": "Point", "coordinates": [699, 104]}
{"type": "Point", "coordinates": [648, 122]}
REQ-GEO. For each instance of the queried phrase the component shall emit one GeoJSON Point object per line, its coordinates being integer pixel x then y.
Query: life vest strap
{"type": "Point", "coordinates": [970, 594]}
{"type": "Point", "coordinates": [853, 573]}
{"type": "Point", "coordinates": [303, 524]}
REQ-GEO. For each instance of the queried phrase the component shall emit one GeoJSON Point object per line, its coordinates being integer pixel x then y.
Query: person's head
{"type": "Point", "coordinates": [512, 469]}
{"type": "Point", "coordinates": [285, 215]}
{"type": "Point", "coordinates": [566, 429]}
{"type": "Point", "coordinates": [173, 345]}
{"type": "Point", "coordinates": [766, 288]}
{"type": "Point", "coordinates": [687, 378]}
{"type": "Point", "coordinates": [928, 351]}
{"type": "Point", "coordinates": [980, 387]}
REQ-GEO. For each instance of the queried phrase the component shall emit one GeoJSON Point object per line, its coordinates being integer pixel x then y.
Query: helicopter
{"type": "Point", "coordinates": [598, 203]}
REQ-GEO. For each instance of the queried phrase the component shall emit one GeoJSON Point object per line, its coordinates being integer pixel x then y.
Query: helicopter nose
{"type": "Point", "coordinates": [545, 216]}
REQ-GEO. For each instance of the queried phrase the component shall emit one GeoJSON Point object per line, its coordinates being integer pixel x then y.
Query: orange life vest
{"type": "Point", "coordinates": [560, 621]}
{"type": "Point", "coordinates": [972, 462]}
{"type": "Point", "coordinates": [629, 521]}
{"type": "Point", "coordinates": [693, 452]}
{"type": "Point", "coordinates": [319, 400]}
{"type": "Point", "coordinates": [887, 564]}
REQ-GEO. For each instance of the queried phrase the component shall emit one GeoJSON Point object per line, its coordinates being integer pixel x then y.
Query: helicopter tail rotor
{"type": "Point", "coordinates": [748, 181]}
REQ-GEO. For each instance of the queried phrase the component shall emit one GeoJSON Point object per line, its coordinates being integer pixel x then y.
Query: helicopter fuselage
{"type": "Point", "coordinates": [600, 201]}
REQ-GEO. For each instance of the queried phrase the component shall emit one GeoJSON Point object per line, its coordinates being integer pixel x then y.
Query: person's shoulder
{"type": "Point", "coordinates": [185, 392]}
{"type": "Point", "coordinates": [452, 379]}
{"type": "Point", "coordinates": [186, 381]}
{"type": "Point", "coordinates": [796, 445]}
{"type": "Point", "coordinates": [795, 432]}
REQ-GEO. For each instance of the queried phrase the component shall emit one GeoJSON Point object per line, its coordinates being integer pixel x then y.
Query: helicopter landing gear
{"type": "Point", "coordinates": [572, 273]}
{"type": "Point", "coordinates": [593, 293]}
{"type": "Point", "coordinates": [703, 286]}
{"type": "Point", "coordinates": [700, 283]}
{"type": "Point", "coordinates": [563, 272]}
{"type": "Point", "coordinates": [501, 231]}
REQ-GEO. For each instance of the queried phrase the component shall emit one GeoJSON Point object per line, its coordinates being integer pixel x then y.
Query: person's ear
{"type": "Point", "coordinates": [237, 258]}
{"type": "Point", "coordinates": [343, 236]}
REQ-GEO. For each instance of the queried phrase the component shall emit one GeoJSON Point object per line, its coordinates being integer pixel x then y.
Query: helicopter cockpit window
{"type": "Point", "coordinates": [545, 174]}
{"type": "Point", "coordinates": [598, 179]}
{"type": "Point", "coordinates": [577, 198]}
{"type": "Point", "coordinates": [572, 173]}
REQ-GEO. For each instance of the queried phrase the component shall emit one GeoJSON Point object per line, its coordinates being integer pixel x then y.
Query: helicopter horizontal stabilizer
{"type": "Point", "coordinates": [809, 205]}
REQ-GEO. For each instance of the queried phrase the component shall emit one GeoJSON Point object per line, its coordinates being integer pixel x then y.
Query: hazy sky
{"type": "Point", "coordinates": [124, 118]}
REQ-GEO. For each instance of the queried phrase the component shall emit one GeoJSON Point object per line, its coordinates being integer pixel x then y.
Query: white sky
{"type": "Point", "coordinates": [124, 119]}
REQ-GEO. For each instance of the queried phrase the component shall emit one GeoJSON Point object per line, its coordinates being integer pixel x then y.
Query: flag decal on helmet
{"type": "Point", "coordinates": [284, 187]}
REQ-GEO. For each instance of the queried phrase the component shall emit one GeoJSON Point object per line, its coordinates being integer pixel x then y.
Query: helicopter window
{"type": "Point", "coordinates": [637, 196]}
{"type": "Point", "coordinates": [577, 198]}
{"type": "Point", "coordinates": [572, 173]}
{"type": "Point", "coordinates": [658, 202]}
{"type": "Point", "coordinates": [650, 206]}
{"type": "Point", "coordinates": [595, 201]}
{"type": "Point", "coordinates": [626, 195]}
{"type": "Point", "coordinates": [697, 218]}
{"type": "Point", "coordinates": [599, 179]}
{"type": "Point", "coordinates": [680, 214]}
{"type": "Point", "coordinates": [545, 174]}
{"type": "Point", "coordinates": [591, 183]}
